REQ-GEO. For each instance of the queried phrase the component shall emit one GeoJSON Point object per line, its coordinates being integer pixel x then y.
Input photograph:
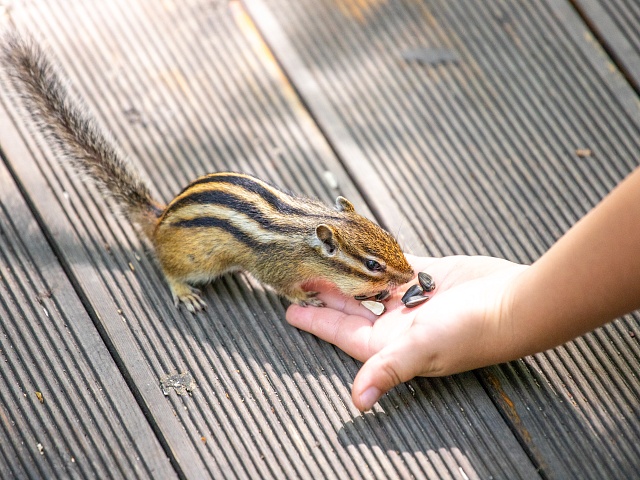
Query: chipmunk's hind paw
{"type": "Point", "coordinates": [189, 296]}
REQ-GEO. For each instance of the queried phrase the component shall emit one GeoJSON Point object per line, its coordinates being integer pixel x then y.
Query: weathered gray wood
{"type": "Point", "coordinates": [190, 89]}
{"type": "Point", "coordinates": [482, 145]}
{"type": "Point", "coordinates": [614, 25]}
{"type": "Point", "coordinates": [66, 409]}
{"type": "Point", "coordinates": [480, 140]}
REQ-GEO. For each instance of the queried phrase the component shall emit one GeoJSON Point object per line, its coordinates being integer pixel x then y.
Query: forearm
{"type": "Point", "coordinates": [589, 277]}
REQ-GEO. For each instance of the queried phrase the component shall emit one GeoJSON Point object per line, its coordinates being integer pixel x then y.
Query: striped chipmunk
{"type": "Point", "coordinates": [221, 222]}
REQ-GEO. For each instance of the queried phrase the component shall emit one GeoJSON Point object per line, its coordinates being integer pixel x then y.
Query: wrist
{"type": "Point", "coordinates": [545, 311]}
{"type": "Point", "coordinates": [488, 332]}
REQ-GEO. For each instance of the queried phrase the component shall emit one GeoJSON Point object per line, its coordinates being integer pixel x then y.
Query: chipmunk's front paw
{"type": "Point", "coordinates": [314, 302]}
{"type": "Point", "coordinates": [188, 295]}
{"type": "Point", "coordinates": [310, 298]}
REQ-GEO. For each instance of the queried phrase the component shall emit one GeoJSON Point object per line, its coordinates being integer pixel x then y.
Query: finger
{"type": "Point", "coordinates": [349, 305]}
{"type": "Point", "coordinates": [350, 333]}
{"type": "Point", "coordinates": [336, 300]}
{"type": "Point", "coordinates": [399, 362]}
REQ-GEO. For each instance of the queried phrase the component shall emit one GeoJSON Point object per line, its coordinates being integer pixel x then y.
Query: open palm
{"type": "Point", "coordinates": [460, 328]}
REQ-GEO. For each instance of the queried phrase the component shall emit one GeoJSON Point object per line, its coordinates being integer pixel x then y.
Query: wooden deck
{"type": "Point", "coordinates": [498, 123]}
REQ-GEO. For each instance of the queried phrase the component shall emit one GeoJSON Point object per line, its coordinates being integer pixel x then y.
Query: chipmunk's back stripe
{"type": "Point", "coordinates": [278, 199]}
{"type": "Point", "coordinates": [213, 222]}
{"type": "Point", "coordinates": [252, 185]}
{"type": "Point", "coordinates": [226, 199]}
{"type": "Point", "coordinates": [241, 179]}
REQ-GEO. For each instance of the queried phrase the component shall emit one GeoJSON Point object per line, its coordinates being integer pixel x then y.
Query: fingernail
{"type": "Point", "coordinates": [369, 397]}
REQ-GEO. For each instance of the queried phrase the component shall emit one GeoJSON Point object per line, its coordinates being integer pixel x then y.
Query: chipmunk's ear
{"type": "Point", "coordinates": [344, 205]}
{"type": "Point", "coordinates": [328, 241]}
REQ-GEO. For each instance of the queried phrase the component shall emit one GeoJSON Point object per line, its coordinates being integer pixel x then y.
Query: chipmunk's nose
{"type": "Point", "coordinates": [404, 277]}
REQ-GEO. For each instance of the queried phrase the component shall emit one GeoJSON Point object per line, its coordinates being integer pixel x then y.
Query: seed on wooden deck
{"type": "Point", "coordinates": [376, 307]}
{"type": "Point", "coordinates": [415, 301]}
{"type": "Point", "coordinates": [414, 290]}
{"type": "Point", "coordinates": [426, 281]}
{"type": "Point", "coordinates": [383, 295]}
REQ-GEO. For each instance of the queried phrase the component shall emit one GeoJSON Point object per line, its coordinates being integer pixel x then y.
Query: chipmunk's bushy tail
{"type": "Point", "coordinates": [73, 133]}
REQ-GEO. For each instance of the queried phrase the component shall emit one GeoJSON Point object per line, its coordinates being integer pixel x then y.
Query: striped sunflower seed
{"type": "Point", "coordinates": [415, 301]}
{"type": "Point", "coordinates": [383, 295]}
{"type": "Point", "coordinates": [426, 281]}
{"type": "Point", "coordinates": [413, 291]}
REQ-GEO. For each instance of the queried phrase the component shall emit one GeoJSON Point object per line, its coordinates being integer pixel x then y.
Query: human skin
{"type": "Point", "coordinates": [486, 310]}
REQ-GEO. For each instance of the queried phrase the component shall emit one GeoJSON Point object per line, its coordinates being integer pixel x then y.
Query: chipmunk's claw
{"type": "Point", "coordinates": [189, 296]}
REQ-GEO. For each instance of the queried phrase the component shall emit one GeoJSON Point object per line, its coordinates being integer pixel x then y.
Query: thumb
{"type": "Point", "coordinates": [396, 363]}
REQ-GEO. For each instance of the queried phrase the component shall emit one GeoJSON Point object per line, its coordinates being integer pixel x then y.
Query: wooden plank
{"type": "Point", "coordinates": [472, 115]}
{"type": "Point", "coordinates": [615, 26]}
{"type": "Point", "coordinates": [113, 318]}
{"type": "Point", "coordinates": [66, 410]}
{"type": "Point", "coordinates": [189, 89]}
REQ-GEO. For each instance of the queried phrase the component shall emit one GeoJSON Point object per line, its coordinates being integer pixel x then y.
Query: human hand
{"type": "Point", "coordinates": [465, 325]}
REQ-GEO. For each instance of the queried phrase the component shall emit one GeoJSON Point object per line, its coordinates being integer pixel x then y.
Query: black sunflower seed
{"type": "Point", "coordinates": [414, 290]}
{"type": "Point", "coordinates": [383, 295]}
{"type": "Point", "coordinates": [362, 297]}
{"type": "Point", "coordinates": [426, 281]}
{"type": "Point", "coordinates": [415, 301]}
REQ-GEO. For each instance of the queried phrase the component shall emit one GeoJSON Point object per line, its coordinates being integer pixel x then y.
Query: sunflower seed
{"type": "Point", "coordinates": [375, 307]}
{"type": "Point", "coordinates": [383, 295]}
{"type": "Point", "coordinates": [362, 297]}
{"type": "Point", "coordinates": [414, 290]}
{"type": "Point", "coordinates": [426, 281]}
{"type": "Point", "coordinates": [415, 301]}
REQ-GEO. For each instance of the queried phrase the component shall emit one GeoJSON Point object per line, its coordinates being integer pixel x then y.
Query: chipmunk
{"type": "Point", "coordinates": [219, 223]}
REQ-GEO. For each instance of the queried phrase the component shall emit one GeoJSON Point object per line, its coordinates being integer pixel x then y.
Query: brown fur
{"type": "Point", "coordinates": [221, 222]}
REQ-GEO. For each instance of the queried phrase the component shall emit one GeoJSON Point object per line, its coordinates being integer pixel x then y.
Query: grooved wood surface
{"type": "Point", "coordinates": [615, 25]}
{"type": "Point", "coordinates": [66, 410]}
{"type": "Point", "coordinates": [456, 124]}
{"type": "Point", "coordinates": [475, 116]}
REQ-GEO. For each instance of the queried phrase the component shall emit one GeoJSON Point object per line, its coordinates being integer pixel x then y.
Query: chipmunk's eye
{"type": "Point", "coordinates": [373, 266]}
